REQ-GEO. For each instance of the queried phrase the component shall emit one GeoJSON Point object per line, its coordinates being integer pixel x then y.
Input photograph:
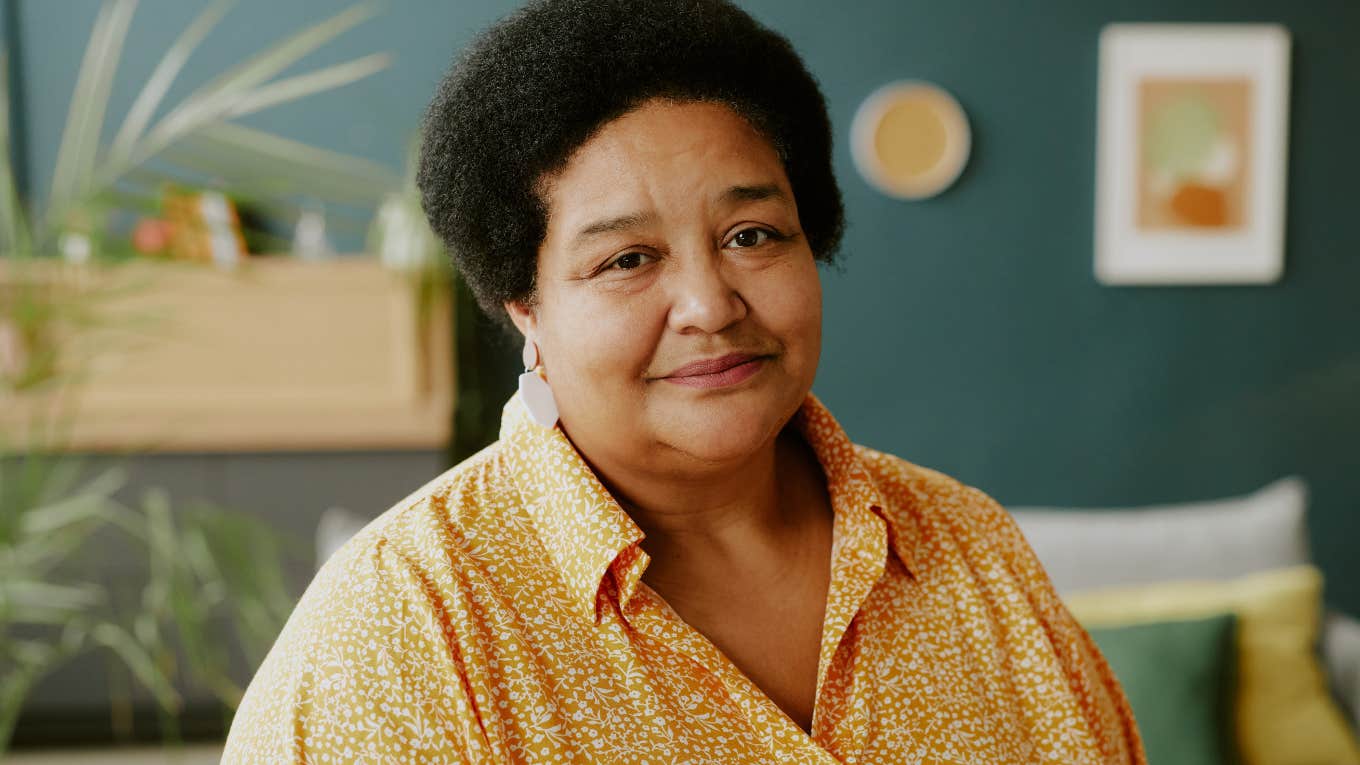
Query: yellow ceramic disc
{"type": "Point", "coordinates": [911, 140]}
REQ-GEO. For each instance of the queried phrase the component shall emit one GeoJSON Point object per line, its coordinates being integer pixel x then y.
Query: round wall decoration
{"type": "Point", "coordinates": [910, 139]}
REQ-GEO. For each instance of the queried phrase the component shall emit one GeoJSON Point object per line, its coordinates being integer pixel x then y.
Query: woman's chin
{"type": "Point", "coordinates": [723, 434]}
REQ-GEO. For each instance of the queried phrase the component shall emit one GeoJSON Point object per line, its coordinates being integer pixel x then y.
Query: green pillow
{"type": "Point", "coordinates": [1179, 678]}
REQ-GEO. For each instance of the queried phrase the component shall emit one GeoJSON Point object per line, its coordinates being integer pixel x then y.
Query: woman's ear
{"type": "Point", "coordinates": [522, 316]}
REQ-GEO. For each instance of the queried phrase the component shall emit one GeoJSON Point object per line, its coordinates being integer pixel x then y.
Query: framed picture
{"type": "Point", "coordinates": [1191, 153]}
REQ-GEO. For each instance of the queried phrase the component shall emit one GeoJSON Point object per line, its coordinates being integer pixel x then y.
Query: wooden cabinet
{"type": "Point", "coordinates": [279, 354]}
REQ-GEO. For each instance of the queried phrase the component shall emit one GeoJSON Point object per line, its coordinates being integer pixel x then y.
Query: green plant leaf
{"type": "Point", "coordinates": [213, 101]}
{"type": "Point", "coordinates": [189, 614]}
{"type": "Point", "coordinates": [14, 234]}
{"type": "Point", "coordinates": [293, 88]}
{"type": "Point", "coordinates": [74, 170]}
{"type": "Point", "coordinates": [29, 654]}
{"type": "Point", "coordinates": [161, 549]}
{"type": "Point", "coordinates": [248, 555]}
{"type": "Point", "coordinates": [36, 480]}
{"type": "Point", "coordinates": [38, 556]}
{"type": "Point", "coordinates": [232, 151]}
{"type": "Point", "coordinates": [19, 597]}
{"type": "Point", "coordinates": [282, 55]}
{"type": "Point", "coordinates": [15, 685]}
{"type": "Point", "coordinates": [138, 661]}
{"type": "Point", "coordinates": [199, 558]}
{"type": "Point", "coordinates": [83, 505]}
{"type": "Point", "coordinates": [139, 115]}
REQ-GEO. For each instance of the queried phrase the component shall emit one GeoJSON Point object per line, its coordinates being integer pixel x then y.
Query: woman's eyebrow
{"type": "Point", "coordinates": [731, 196]}
{"type": "Point", "coordinates": [610, 225]}
{"type": "Point", "coordinates": [756, 193]}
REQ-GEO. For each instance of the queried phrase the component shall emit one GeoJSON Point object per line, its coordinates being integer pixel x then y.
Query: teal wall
{"type": "Point", "coordinates": [965, 333]}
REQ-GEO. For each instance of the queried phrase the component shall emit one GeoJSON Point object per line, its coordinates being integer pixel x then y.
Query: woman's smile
{"type": "Point", "coordinates": [718, 373]}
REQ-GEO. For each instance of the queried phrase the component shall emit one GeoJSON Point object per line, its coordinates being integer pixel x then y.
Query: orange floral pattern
{"type": "Point", "coordinates": [498, 615]}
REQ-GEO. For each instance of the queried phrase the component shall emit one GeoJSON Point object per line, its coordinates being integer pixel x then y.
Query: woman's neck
{"type": "Point", "coordinates": [718, 517]}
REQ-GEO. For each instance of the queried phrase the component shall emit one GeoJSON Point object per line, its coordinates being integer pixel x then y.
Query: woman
{"type": "Point", "coordinates": [673, 553]}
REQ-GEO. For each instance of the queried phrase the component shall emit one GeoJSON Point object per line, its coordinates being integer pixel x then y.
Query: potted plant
{"type": "Point", "coordinates": [204, 564]}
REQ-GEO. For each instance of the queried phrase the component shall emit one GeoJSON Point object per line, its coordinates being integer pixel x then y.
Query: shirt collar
{"type": "Point", "coordinates": [583, 528]}
{"type": "Point", "coordinates": [849, 479]}
{"type": "Point", "coordinates": [587, 533]}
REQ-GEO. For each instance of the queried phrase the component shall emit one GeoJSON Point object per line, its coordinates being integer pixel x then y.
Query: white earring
{"type": "Point", "coordinates": [534, 390]}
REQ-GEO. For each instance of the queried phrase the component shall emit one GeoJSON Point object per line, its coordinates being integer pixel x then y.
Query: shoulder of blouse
{"type": "Point", "coordinates": [922, 491]}
{"type": "Point", "coordinates": [442, 525]}
{"type": "Point", "coordinates": [920, 498]}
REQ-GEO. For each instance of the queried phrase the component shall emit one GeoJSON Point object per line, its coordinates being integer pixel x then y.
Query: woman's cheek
{"type": "Point", "coordinates": [617, 338]}
{"type": "Point", "coordinates": [796, 302]}
{"type": "Point", "coordinates": [801, 322]}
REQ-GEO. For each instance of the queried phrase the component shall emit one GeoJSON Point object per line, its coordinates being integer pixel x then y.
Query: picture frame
{"type": "Point", "coordinates": [1192, 143]}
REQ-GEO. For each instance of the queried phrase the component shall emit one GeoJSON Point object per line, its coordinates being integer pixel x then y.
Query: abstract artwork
{"type": "Point", "coordinates": [1191, 155]}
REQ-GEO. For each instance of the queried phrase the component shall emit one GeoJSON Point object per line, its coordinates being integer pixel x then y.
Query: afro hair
{"type": "Point", "coordinates": [535, 86]}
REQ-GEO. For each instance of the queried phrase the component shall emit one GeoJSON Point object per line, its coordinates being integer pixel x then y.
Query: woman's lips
{"type": "Point", "coordinates": [717, 373]}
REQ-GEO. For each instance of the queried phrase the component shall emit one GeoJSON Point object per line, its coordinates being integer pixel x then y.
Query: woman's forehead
{"type": "Point", "coordinates": [662, 153]}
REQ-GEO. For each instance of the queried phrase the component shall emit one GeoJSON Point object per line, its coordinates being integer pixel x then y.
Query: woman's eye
{"type": "Point", "coordinates": [629, 260]}
{"type": "Point", "coordinates": [751, 237]}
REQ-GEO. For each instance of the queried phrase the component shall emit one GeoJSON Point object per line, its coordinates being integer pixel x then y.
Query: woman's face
{"type": "Point", "coordinates": [672, 241]}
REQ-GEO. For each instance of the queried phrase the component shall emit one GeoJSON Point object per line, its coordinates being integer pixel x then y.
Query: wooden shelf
{"type": "Point", "coordinates": [280, 354]}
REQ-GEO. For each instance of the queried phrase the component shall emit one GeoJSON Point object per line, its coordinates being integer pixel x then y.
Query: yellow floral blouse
{"type": "Point", "coordinates": [498, 615]}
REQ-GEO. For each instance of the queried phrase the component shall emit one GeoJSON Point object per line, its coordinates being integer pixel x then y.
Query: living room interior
{"type": "Point", "coordinates": [1097, 264]}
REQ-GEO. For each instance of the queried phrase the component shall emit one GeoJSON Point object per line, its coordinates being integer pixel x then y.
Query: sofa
{"type": "Point", "coordinates": [1245, 558]}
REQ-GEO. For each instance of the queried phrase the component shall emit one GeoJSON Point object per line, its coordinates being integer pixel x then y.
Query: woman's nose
{"type": "Point", "coordinates": [703, 296]}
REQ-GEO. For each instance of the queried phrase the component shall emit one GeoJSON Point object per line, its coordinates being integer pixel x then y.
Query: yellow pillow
{"type": "Point", "coordinates": [1285, 714]}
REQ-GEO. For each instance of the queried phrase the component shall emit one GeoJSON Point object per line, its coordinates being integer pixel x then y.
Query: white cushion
{"type": "Point", "coordinates": [1085, 549]}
